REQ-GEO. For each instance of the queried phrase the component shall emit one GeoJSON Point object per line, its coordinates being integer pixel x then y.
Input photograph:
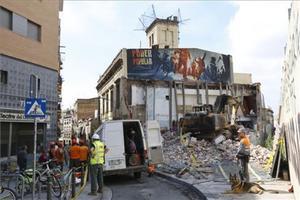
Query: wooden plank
{"type": "Point", "coordinates": [183, 99]}
{"type": "Point", "coordinates": [170, 103]}
{"type": "Point", "coordinates": [176, 105]}
{"type": "Point", "coordinates": [206, 94]}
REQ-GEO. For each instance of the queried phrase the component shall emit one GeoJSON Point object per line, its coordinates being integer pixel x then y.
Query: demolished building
{"type": "Point", "coordinates": [165, 84]}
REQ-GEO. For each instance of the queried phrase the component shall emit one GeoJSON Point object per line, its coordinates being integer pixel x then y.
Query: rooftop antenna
{"type": "Point", "coordinates": [146, 19]}
{"type": "Point", "coordinates": [180, 20]}
{"type": "Point", "coordinates": [153, 11]}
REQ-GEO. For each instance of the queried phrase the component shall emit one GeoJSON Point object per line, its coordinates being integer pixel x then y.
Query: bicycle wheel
{"type": "Point", "coordinates": [56, 187]}
{"type": "Point", "coordinates": [7, 194]}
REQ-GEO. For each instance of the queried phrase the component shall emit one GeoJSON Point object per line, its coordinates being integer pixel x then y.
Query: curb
{"type": "Point", "coordinates": [176, 180]}
{"type": "Point", "coordinates": [107, 193]}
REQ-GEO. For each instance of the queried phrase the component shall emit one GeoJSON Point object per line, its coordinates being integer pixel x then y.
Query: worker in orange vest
{"type": "Point", "coordinates": [84, 153]}
{"type": "Point", "coordinates": [243, 153]}
{"type": "Point", "coordinates": [74, 153]}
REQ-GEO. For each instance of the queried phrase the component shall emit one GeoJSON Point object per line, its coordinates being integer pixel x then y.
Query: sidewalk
{"type": "Point", "coordinates": [217, 185]}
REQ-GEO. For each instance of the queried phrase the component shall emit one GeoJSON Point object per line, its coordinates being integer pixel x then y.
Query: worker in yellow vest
{"type": "Point", "coordinates": [97, 153]}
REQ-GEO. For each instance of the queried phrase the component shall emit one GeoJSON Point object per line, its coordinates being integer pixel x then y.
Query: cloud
{"type": "Point", "coordinates": [258, 33]}
{"type": "Point", "coordinates": [79, 17]}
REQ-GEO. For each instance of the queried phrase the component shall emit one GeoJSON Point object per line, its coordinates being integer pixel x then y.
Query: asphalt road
{"type": "Point", "coordinates": [147, 188]}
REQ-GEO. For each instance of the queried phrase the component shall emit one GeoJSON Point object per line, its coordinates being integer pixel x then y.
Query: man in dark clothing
{"type": "Point", "coordinates": [22, 158]}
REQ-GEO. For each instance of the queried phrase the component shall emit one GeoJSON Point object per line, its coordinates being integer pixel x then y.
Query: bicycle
{"type": "Point", "coordinates": [43, 177]}
{"type": "Point", "coordinates": [7, 194]}
{"type": "Point", "coordinates": [66, 187]}
{"type": "Point", "coordinates": [51, 175]}
{"type": "Point", "coordinates": [70, 179]}
{"type": "Point", "coordinates": [25, 181]}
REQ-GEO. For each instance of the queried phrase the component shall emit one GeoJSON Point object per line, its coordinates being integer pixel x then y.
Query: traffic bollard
{"type": "Point", "coordinates": [49, 183]}
{"type": "Point", "coordinates": [73, 184]}
{"type": "Point", "coordinates": [82, 175]}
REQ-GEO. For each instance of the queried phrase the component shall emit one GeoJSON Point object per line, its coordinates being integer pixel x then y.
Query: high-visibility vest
{"type": "Point", "coordinates": [98, 153]}
{"type": "Point", "coordinates": [75, 152]}
{"type": "Point", "coordinates": [245, 147]}
{"type": "Point", "coordinates": [84, 152]}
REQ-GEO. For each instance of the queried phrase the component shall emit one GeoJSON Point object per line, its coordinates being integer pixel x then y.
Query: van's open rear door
{"type": "Point", "coordinates": [154, 142]}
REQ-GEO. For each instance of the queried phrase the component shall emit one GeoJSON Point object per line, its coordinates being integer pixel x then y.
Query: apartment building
{"type": "Point", "coordinates": [29, 54]}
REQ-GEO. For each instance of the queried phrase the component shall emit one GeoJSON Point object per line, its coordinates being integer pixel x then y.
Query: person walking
{"type": "Point", "coordinates": [22, 158]}
{"type": "Point", "coordinates": [98, 151]}
{"type": "Point", "coordinates": [74, 153]}
{"type": "Point", "coordinates": [243, 153]}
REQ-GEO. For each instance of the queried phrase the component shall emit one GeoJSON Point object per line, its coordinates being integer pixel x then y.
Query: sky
{"type": "Point", "coordinates": [93, 32]}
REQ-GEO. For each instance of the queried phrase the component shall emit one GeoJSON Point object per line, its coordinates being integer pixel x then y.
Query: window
{"type": "Point", "coordinates": [111, 100]}
{"type": "Point", "coordinates": [103, 104]}
{"type": "Point", "coordinates": [32, 86]}
{"type": "Point", "coordinates": [106, 100]}
{"type": "Point", "coordinates": [150, 41]}
{"type": "Point", "coordinates": [5, 18]}
{"type": "Point", "coordinates": [33, 30]}
{"type": "Point", "coordinates": [152, 37]}
{"type": "Point", "coordinates": [19, 24]}
{"type": "Point", "coordinates": [3, 76]}
{"type": "Point", "coordinates": [118, 95]}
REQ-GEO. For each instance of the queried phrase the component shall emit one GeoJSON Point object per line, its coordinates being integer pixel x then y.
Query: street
{"type": "Point", "coordinates": [127, 188]}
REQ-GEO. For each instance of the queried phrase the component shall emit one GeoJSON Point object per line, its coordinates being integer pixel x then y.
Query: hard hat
{"type": "Point", "coordinates": [96, 136]}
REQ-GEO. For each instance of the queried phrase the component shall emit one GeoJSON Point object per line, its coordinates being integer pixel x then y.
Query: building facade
{"type": "Point", "coordinates": [289, 116]}
{"type": "Point", "coordinates": [163, 33]}
{"type": "Point", "coordinates": [29, 51]}
{"type": "Point", "coordinates": [85, 109]}
{"type": "Point", "coordinates": [125, 92]}
{"type": "Point", "coordinates": [165, 82]}
{"type": "Point", "coordinates": [66, 123]}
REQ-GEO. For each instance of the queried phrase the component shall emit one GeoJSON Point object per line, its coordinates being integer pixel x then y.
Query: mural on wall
{"type": "Point", "coordinates": [178, 64]}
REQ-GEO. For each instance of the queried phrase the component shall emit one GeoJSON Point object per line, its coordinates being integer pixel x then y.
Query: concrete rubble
{"type": "Point", "coordinates": [198, 158]}
{"type": "Point", "coordinates": [260, 154]}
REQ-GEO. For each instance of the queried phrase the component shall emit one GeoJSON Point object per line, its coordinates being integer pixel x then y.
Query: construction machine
{"type": "Point", "coordinates": [208, 121]}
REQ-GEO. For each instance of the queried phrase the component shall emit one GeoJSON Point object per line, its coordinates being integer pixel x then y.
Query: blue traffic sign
{"type": "Point", "coordinates": [35, 108]}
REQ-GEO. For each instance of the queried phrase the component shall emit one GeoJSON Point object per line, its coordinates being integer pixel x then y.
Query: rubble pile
{"type": "Point", "coordinates": [198, 158]}
{"type": "Point", "coordinates": [260, 154]}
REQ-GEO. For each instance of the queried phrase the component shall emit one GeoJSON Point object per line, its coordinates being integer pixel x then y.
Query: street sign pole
{"type": "Point", "coordinates": [34, 145]}
{"type": "Point", "coordinates": [34, 108]}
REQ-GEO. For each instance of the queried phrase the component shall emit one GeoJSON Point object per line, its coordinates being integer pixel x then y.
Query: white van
{"type": "Point", "coordinates": [115, 135]}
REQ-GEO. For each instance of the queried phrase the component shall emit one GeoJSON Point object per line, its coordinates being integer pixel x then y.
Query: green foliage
{"type": "Point", "coordinates": [269, 142]}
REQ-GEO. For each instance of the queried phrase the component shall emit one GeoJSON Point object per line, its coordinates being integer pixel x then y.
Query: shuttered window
{"type": "Point", "coordinates": [5, 18]}
{"type": "Point", "coordinates": [33, 31]}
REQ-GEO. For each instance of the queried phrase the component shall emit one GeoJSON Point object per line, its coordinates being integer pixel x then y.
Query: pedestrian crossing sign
{"type": "Point", "coordinates": [35, 108]}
